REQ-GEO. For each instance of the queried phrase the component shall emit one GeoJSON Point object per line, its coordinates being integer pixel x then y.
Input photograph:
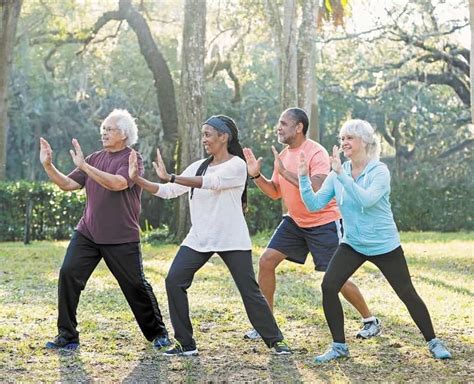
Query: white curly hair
{"type": "Point", "coordinates": [125, 122]}
{"type": "Point", "coordinates": [363, 129]}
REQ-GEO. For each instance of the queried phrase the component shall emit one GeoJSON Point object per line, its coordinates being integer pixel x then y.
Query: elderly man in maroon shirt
{"type": "Point", "coordinates": [108, 229]}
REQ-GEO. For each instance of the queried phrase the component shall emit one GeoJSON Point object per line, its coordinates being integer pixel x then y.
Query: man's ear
{"type": "Point", "coordinates": [299, 127]}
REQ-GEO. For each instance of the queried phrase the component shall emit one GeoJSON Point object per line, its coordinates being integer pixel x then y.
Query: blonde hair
{"type": "Point", "coordinates": [125, 122]}
{"type": "Point", "coordinates": [364, 130]}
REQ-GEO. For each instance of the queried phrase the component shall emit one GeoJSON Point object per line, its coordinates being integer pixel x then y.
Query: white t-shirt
{"type": "Point", "coordinates": [217, 220]}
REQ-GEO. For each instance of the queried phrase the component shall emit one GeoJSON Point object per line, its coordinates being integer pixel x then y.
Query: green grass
{"type": "Point", "coordinates": [113, 349]}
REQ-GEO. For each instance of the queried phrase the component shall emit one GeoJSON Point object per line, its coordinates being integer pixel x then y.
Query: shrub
{"type": "Point", "coordinates": [53, 213]}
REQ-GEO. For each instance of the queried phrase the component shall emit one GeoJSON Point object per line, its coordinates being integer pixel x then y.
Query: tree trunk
{"type": "Point", "coordinates": [191, 96]}
{"type": "Point", "coordinates": [289, 97]}
{"type": "Point", "coordinates": [10, 12]}
{"type": "Point", "coordinates": [307, 91]}
{"type": "Point", "coordinates": [471, 15]}
{"type": "Point", "coordinates": [161, 74]}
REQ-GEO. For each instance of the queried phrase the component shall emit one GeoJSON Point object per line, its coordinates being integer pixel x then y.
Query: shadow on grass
{"type": "Point", "coordinates": [459, 266]}
{"type": "Point", "coordinates": [283, 369]}
{"type": "Point", "coordinates": [148, 369]}
{"type": "Point", "coordinates": [157, 368]}
{"type": "Point", "coordinates": [444, 285]}
{"type": "Point", "coordinates": [71, 368]}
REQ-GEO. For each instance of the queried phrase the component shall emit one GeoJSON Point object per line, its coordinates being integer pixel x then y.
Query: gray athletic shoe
{"type": "Point", "coordinates": [252, 335]}
{"type": "Point", "coordinates": [370, 329]}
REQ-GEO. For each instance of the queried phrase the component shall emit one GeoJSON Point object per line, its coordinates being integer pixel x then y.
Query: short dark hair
{"type": "Point", "coordinates": [300, 116]}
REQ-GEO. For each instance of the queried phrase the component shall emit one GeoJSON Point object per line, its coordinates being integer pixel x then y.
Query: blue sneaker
{"type": "Point", "coordinates": [438, 350]}
{"type": "Point", "coordinates": [161, 342]}
{"type": "Point", "coordinates": [370, 329]}
{"type": "Point", "coordinates": [335, 351]}
{"type": "Point", "coordinates": [61, 343]}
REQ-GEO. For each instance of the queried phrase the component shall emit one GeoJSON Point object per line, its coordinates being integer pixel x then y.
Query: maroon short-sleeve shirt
{"type": "Point", "coordinates": [110, 217]}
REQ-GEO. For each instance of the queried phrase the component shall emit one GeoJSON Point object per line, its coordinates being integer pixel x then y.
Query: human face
{"type": "Point", "coordinates": [352, 145]}
{"type": "Point", "coordinates": [213, 140]}
{"type": "Point", "coordinates": [113, 139]}
{"type": "Point", "coordinates": [287, 129]}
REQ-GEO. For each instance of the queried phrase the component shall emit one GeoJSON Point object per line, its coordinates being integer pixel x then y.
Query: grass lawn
{"type": "Point", "coordinates": [113, 349]}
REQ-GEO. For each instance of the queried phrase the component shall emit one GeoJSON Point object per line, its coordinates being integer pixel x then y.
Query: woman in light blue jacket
{"type": "Point", "coordinates": [361, 187]}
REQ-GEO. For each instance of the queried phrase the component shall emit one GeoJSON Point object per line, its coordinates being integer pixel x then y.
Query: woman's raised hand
{"type": "Point", "coordinates": [302, 165]}
{"type": "Point", "coordinates": [253, 164]}
{"type": "Point", "coordinates": [335, 159]}
{"type": "Point", "coordinates": [160, 167]}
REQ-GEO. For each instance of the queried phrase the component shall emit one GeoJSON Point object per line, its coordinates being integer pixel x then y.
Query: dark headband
{"type": "Point", "coordinates": [219, 125]}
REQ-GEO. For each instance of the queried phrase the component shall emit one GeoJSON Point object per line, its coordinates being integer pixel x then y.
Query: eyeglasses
{"type": "Point", "coordinates": [107, 130]}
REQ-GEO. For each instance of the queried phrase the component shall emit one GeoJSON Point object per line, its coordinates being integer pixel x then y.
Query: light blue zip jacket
{"type": "Point", "coordinates": [364, 203]}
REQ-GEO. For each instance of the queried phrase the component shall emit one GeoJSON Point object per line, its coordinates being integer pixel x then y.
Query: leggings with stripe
{"type": "Point", "coordinates": [394, 267]}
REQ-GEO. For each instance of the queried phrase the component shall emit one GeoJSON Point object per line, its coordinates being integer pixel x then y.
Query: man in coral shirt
{"type": "Point", "coordinates": [301, 231]}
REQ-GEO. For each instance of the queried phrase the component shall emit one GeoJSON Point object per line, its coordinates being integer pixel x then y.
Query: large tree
{"type": "Point", "coordinates": [297, 50]}
{"type": "Point", "coordinates": [471, 15]}
{"type": "Point", "coordinates": [191, 95]}
{"type": "Point", "coordinates": [10, 12]}
{"type": "Point", "coordinates": [163, 82]}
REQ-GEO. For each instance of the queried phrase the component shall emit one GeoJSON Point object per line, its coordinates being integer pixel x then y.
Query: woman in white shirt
{"type": "Point", "coordinates": [217, 188]}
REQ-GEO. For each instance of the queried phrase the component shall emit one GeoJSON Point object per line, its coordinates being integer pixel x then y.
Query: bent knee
{"type": "Point", "coordinates": [270, 259]}
{"type": "Point", "coordinates": [330, 286]}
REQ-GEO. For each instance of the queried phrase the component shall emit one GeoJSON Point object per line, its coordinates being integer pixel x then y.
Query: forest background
{"type": "Point", "coordinates": [402, 65]}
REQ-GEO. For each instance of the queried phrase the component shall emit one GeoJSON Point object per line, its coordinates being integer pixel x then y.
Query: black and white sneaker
{"type": "Point", "coordinates": [182, 350]}
{"type": "Point", "coordinates": [370, 329]}
{"type": "Point", "coordinates": [281, 348]}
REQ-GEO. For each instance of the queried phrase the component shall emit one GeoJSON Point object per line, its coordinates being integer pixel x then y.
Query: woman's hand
{"type": "Point", "coordinates": [160, 167]}
{"type": "Point", "coordinates": [302, 165]}
{"type": "Point", "coordinates": [336, 160]}
{"type": "Point", "coordinates": [253, 164]}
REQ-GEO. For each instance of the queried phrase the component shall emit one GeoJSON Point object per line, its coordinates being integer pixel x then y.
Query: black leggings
{"type": "Point", "coordinates": [394, 267]}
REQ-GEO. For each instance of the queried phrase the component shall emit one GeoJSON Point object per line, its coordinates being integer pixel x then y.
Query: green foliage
{"type": "Point", "coordinates": [157, 236]}
{"type": "Point", "coordinates": [420, 206]}
{"type": "Point", "coordinates": [417, 206]}
{"type": "Point", "coordinates": [53, 215]}
{"type": "Point", "coordinates": [263, 213]}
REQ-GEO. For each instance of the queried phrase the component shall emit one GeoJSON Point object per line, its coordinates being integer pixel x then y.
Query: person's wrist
{"type": "Point", "coordinates": [256, 176]}
{"type": "Point", "coordinates": [172, 178]}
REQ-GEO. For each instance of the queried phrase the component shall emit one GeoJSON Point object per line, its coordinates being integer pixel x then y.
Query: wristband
{"type": "Point", "coordinates": [172, 178]}
{"type": "Point", "coordinates": [255, 177]}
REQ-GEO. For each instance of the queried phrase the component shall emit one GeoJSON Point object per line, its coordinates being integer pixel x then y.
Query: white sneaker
{"type": "Point", "coordinates": [370, 329]}
{"type": "Point", "coordinates": [252, 335]}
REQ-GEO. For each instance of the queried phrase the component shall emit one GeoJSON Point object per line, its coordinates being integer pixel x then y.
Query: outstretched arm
{"type": "Point", "coordinates": [314, 201]}
{"type": "Point", "coordinates": [187, 181]}
{"type": "Point", "coordinates": [316, 180]}
{"type": "Point", "coordinates": [57, 177]}
{"type": "Point", "coordinates": [105, 179]}
{"type": "Point", "coordinates": [134, 175]}
{"type": "Point", "coordinates": [267, 186]}
{"type": "Point", "coordinates": [366, 197]}
{"type": "Point", "coordinates": [369, 196]}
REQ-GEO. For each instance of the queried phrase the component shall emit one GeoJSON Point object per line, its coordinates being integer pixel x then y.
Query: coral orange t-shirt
{"type": "Point", "coordinates": [318, 161]}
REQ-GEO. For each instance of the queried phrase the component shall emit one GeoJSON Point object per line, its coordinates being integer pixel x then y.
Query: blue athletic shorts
{"type": "Point", "coordinates": [295, 242]}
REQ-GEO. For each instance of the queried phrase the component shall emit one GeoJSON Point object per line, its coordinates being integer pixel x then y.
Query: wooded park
{"type": "Point", "coordinates": [404, 66]}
